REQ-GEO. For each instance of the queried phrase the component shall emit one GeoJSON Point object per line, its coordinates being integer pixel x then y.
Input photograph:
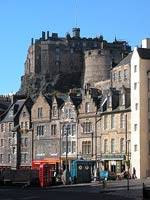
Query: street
{"type": "Point", "coordinates": [114, 190]}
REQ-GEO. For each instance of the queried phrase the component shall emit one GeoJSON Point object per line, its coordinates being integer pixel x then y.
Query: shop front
{"type": "Point", "coordinates": [113, 162]}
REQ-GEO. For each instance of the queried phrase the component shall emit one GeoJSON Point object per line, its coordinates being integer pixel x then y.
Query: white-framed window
{"type": "Point", "coordinates": [135, 85]}
{"type": "Point", "coordinates": [136, 106]}
{"type": "Point", "coordinates": [135, 68]}
{"type": "Point", "coordinates": [135, 127]}
{"type": "Point", "coordinates": [135, 147]}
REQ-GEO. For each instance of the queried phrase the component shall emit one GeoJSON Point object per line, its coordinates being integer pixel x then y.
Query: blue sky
{"type": "Point", "coordinates": [20, 20]}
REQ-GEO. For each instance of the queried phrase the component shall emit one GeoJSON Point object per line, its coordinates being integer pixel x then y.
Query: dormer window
{"type": "Point", "coordinates": [123, 99]}
{"type": "Point", "coordinates": [54, 111]}
{"type": "Point", "coordinates": [40, 113]}
{"type": "Point", "coordinates": [87, 107]}
{"type": "Point", "coordinates": [109, 101]}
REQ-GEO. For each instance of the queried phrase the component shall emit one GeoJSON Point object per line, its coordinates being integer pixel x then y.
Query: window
{"type": "Point", "coordinates": [148, 104]}
{"type": "Point", "coordinates": [73, 146]}
{"type": "Point", "coordinates": [112, 121]}
{"type": "Point", "coordinates": [13, 150]}
{"type": "Point", "coordinates": [10, 126]}
{"type": "Point", "coordinates": [114, 76]}
{"type": "Point", "coordinates": [2, 127]}
{"type": "Point", "coordinates": [135, 68]}
{"type": "Point", "coordinates": [57, 50]}
{"type": "Point", "coordinates": [1, 158]}
{"type": "Point", "coordinates": [26, 142]}
{"type": "Point", "coordinates": [87, 107]}
{"type": "Point", "coordinates": [112, 145]}
{"type": "Point", "coordinates": [125, 74]}
{"type": "Point", "coordinates": [63, 147]}
{"type": "Point", "coordinates": [86, 147]}
{"type": "Point", "coordinates": [24, 157]}
{"type": "Point", "coordinates": [87, 127]}
{"type": "Point", "coordinates": [105, 122]}
{"type": "Point", "coordinates": [119, 75]}
{"type": "Point", "coordinates": [122, 146]}
{"type": "Point", "coordinates": [148, 84]}
{"type": "Point", "coordinates": [109, 101]}
{"type": "Point", "coordinates": [73, 129]}
{"type": "Point", "coordinates": [2, 143]}
{"type": "Point", "coordinates": [135, 127]}
{"type": "Point", "coordinates": [53, 129]}
{"type": "Point", "coordinates": [54, 111]}
{"type": "Point", "coordinates": [136, 106]}
{"type": "Point", "coordinates": [40, 114]}
{"type": "Point", "coordinates": [24, 114]}
{"type": "Point", "coordinates": [69, 147]}
{"type": "Point", "coordinates": [21, 126]}
{"type": "Point", "coordinates": [135, 86]}
{"type": "Point", "coordinates": [123, 99]}
{"type": "Point", "coordinates": [105, 146]}
{"type": "Point", "coordinates": [135, 147]}
{"type": "Point", "coordinates": [40, 130]}
{"type": "Point", "coordinates": [26, 125]}
{"type": "Point", "coordinates": [122, 120]}
{"type": "Point", "coordinates": [149, 147]}
{"type": "Point", "coordinates": [9, 158]}
{"type": "Point", "coordinates": [149, 125]}
{"type": "Point", "coordinates": [9, 142]}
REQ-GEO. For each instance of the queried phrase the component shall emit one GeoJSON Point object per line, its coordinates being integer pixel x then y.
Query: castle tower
{"type": "Point", "coordinates": [97, 66]}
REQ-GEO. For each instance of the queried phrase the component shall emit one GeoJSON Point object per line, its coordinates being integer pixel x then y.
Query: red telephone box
{"type": "Point", "coordinates": [45, 174]}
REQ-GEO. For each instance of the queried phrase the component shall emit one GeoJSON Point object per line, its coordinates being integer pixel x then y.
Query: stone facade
{"type": "Point", "coordinates": [52, 61]}
{"type": "Point", "coordinates": [16, 150]}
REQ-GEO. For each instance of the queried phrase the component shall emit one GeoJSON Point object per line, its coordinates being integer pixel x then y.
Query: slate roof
{"type": "Point", "coordinates": [125, 61]}
{"type": "Point", "coordinates": [16, 107]}
{"type": "Point", "coordinates": [144, 53]}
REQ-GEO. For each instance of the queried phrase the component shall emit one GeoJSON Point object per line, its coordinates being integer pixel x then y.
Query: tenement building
{"type": "Point", "coordinates": [104, 117]}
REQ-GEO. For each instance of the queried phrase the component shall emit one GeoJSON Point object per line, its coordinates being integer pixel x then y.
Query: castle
{"type": "Point", "coordinates": [71, 61]}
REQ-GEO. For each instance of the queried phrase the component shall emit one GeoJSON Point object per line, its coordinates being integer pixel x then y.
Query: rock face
{"type": "Point", "coordinates": [61, 63]}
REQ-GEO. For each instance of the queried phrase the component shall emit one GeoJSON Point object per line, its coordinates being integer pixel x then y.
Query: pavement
{"type": "Point", "coordinates": [113, 190]}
